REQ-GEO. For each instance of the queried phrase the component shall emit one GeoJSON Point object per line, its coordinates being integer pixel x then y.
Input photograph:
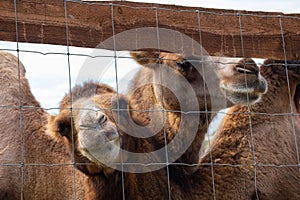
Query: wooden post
{"type": "Point", "coordinates": [89, 24]}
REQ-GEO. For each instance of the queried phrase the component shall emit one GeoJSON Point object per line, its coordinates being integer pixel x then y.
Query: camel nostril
{"type": "Point", "coordinates": [101, 117]}
{"type": "Point", "coordinates": [247, 66]}
{"type": "Point", "coordinates": [243, 70]}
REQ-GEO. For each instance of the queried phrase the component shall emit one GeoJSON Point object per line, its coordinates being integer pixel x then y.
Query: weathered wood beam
{"type": "Point", "coordinates": [223, 32]}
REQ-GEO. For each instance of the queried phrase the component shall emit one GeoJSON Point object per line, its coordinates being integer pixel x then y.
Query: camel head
{"type": "Point", "coordinates": [241, 81]}
{"type": "Point", "coordinates": [175, 79]}
{"type": "Point", "coordinates": [90, 130]}
{"type": "Point", "coordinates": [285, 74]}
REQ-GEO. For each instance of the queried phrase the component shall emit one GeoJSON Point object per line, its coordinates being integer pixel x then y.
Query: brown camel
{"type": "Point", "coordinates": [98, 132]}
{"type": "Point", "coordinates": [32, 165]}
{"type": "Point", "coordinates": [183, 80]}
{"type": "Point", "coordinates": [254, 152]}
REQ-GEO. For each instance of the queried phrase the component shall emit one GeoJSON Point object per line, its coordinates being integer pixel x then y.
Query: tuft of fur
{"type": "Point", "coordinates": [87, 89]}
{"type": "Point", "coordinates": [103, 182]}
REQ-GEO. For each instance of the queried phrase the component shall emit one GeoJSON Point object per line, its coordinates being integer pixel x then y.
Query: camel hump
{"type": "Point", "coordinates": [10, 62]}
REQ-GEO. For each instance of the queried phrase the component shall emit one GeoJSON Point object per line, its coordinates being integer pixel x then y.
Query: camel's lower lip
{"type": "Point", "coordinates": [94, 138]}
{"type": "Point", "coordinates": [239, 90]}
{"type": "Point", "coordinates": [97, 146]}
{"type": "Point", "coordinates": [239, 96]}
{"type": "Point", "coordinates": [252, 88]}
{"type": "Point", "coordinates": [102, 154]}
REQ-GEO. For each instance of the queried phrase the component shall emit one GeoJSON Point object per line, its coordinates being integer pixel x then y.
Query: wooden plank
{"type": "Point", "coordinates": [89, 24]}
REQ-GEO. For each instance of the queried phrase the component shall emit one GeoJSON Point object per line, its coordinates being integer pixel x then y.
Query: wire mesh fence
{"type": "Point", "coordinates": [201, 62]}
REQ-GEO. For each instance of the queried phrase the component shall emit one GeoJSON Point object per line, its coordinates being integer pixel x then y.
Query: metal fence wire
{"type": "Point", "coordinates": [207, 112]}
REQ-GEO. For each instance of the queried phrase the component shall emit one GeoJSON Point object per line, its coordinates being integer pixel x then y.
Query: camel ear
{"type": "Point", "coordinates": [60, 124]}
{"type": "Point", "coordinates": [51, 128]}
{"type": "Point", "coordinates": [145, 57]}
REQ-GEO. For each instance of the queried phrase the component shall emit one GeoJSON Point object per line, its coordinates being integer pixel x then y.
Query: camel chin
{"type": "Point", "coordinates": [99, 140]}
{"type": "Point", "coordinates": [242, 96]}
{"type": "Point", "coordinates": [106, 154]}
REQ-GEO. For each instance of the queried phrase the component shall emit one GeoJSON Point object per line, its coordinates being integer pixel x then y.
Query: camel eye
{"type": "Point", "coordinates": [184, 65]}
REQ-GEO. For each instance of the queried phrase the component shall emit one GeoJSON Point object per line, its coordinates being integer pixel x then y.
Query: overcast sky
{"type": "Point", "coordinates": [48, 74]}
{"type": "Point", "coordinates": [48, 71]}
{"type": "Point", "coordinates": [290, 6]}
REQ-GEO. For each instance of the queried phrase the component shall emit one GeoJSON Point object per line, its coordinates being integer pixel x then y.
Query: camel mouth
{"type": "Point", "coordinates": [238, 95]}
{"type": "Point", "coordinates": [240, 92]}
{"type": "Point", "coordinates": [99, 143]}
{"type": "Point", "coordinates": [103, 154]}
{"type": "Point", "coordinates": [297, 98]}
{"type": "Point", "coordinates": [98, 137]}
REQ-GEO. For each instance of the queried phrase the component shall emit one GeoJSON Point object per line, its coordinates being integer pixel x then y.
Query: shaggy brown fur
{"type": "Point", "coordinates": [147, 97]}
{"type": "Point", "coordinates": [272, 137]}
{"type": "Point", "coordinates": [22, 130]}
{"type": "Point", "coordinates": [60, 125]}
{"type": "Point", "coordinates": [85, 91]}
{"type": "Point", "coordinates": [103, 181]}
{"type": "Point", "coordinates": [153, 96]}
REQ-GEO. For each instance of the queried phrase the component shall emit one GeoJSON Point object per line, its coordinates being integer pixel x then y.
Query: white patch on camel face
{"type": "Point", "coordinates": [239, 84]}
{"type": "Point", "coordinates": [244, 90]}
{"type": "Point", "coordinates": [98, 137]}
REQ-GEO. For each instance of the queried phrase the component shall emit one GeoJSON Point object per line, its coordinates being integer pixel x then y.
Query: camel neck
{"type": "Point", "coordinates": [96, 186]}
